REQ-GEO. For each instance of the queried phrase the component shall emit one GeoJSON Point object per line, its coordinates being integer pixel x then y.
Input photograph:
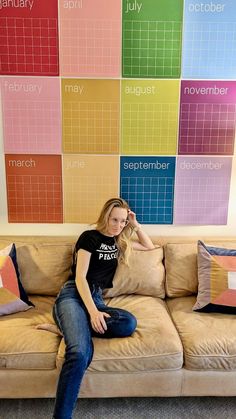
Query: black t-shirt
{"type": "Point", "coordinates": [103, 262]}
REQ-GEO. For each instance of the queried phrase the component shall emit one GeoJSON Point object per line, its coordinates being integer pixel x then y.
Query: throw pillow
{"type": "Point", "coordinates": [216, 279]}
{"type": "Point", "coordinates": [13, 297]}
{"type": "Point", "coordinates": [144, 275]}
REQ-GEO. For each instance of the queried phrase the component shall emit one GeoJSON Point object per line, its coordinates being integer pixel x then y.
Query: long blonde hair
{"type": "Point", "coordinates": [123, 239]}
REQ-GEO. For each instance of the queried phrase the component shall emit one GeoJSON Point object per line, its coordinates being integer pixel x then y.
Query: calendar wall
{"type": "Point", "coordinates": [129, 98]}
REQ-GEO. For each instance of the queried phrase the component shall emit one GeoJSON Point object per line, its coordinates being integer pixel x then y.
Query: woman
{"type": "Point", "coordinates": [79, 310]}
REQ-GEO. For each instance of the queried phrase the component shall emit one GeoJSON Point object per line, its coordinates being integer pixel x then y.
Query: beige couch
{"type": "Point", "coordinates": [173, 352]}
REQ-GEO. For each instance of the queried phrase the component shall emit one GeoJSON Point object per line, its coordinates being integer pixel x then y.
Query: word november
{"type": "Point", "coordinates": [206, 90]}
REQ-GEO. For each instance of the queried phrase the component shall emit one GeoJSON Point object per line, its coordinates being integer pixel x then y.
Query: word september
{"type": "Point", "coordinates": [139, 165]}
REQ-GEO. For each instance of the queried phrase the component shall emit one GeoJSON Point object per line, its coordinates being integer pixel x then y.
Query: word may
{"type": "Point", "coordinates": [139, 90]}
{"type": "Point", "coordinates": [139, 165]}
{"type": "Point", "coordinates": [206, 90]}
{"type": "Point", "coordinates": [71, 4]}
{"type": "Point", "coordinates": [27, 88]}
{"type": "Point", "coordinates": [199, 166]}
{"type": "Point", "coordinates": [22, 163]}
{"type": "Point", "coordinates": [17, 3]}
{"type": "Point", "coordinates": [74, 88]}
{"type": "Point", "coordinates": [208, 7]}
{"type": "Point", "coordinates": [133, 7]}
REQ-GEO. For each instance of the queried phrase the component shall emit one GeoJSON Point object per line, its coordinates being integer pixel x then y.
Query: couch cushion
{"type": "Point", "coordinates": [144, 275]}
{"type": "Point", "coordinates": [155, 345]}
{"type": "Point", "coordinates": [216, 279]}
{"type": "Point", "coordinates": [22, 346]}
{"type": "Point", "coordinates": [44, 267]}
{"type": "Point", "coordinates": [209, 340]}
{"type": "Point", "coordinates": [181, 266]}
{"type": "Point", "coordinates": [13, 297]}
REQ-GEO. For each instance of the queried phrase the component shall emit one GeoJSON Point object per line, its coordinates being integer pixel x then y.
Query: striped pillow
{"type": "Point", "coordinates": [13, 297]}
{"type": "Point", "coordinates": [216, 279]}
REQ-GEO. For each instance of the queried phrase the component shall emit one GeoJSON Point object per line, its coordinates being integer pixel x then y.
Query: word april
{"type": "Point", "coordinates": [73, 4]}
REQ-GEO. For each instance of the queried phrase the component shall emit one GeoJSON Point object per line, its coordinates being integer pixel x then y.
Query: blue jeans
{"type": "Point", "coordinates": [72, 318]}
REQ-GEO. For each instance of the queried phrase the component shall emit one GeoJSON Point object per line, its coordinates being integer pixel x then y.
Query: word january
{"type": "Point", "coordinates": [17, 4]}
{"type": "Point", "coordinates": [133, 7]}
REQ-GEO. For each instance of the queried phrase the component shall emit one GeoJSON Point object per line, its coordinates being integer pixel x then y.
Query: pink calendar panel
{"type": "Point", "coordinates": [31, 115]}
{"type": "Point", "coordinates": [90, 38]}
{"type": "Point", "coordinates": [34, 188]}
{"type": "Point", "coordinates": [29, 37]}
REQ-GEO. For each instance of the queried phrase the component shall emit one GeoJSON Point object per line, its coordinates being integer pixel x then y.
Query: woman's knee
{"type": "Point", "coordinates": [131, 324]}
{"type": "Point", "coordinates": [79, 357]}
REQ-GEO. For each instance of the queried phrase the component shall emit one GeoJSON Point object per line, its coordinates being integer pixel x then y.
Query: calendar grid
{"type": "Point", "coordinates": [208, 46]}
{"type": "Point", "coordinates": [151, 197]}
{"type": "Point", "coordinates": [151, 48]}
{"type": "Point", "coordinates": [29, 46]}
{"type": "Point", "coordinates": [32, 127]}
{"type": "Point", "coordinates": [96, 50]}
{"type": "Point", "coordinates": [90, 127]}
{"type": "Point", "coordinates": [207, 128]}
{"type": "Point", "coordinates": [149, 128]}
{"type": "Point", "coordinates": [34, 198]}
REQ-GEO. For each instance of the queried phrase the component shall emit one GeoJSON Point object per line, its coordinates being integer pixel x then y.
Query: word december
{"type": "Point", "coordinates": [139, 165]}
{"type": "Point", "coordinates": [185, 165]}
{"type": "Point", "coordinates": [16, 4]}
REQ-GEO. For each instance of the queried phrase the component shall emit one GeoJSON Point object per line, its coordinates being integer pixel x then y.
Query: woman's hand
{"type": "Point", "coordinates": [98, 321]}
{"type": "Point", "coordinates": [132, 219]}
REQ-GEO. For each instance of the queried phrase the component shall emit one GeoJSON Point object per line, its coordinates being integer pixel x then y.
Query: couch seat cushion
{"type": "Point", "coordinates": [155, 345]}
{"type": "Point", "coordinates": [209, 340]}
{"type": "Point", "coordinates": [22, 346]}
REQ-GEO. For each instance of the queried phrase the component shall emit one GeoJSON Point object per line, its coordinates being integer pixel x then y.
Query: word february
{"type": "Point", "coordinates": [22, 87]}
{"type": "Point", "coordinates": [17, 4]}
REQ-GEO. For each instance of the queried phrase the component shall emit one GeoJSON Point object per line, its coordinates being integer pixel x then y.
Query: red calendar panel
{"type": "Point", "coordinates": [29, 37]}
{"type": "Point", "coordinates": [34, 188]}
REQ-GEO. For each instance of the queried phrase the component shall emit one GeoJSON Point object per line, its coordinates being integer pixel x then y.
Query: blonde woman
{"type": "Point", "coordinates": [79, 310]}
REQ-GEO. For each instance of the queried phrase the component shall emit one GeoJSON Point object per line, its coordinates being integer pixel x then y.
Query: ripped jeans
{"type": "Point", "coordinates": [72, 318]}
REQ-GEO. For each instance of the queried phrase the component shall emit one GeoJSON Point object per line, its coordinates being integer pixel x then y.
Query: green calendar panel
{"type": "Point", "coordinates": [152, 37]}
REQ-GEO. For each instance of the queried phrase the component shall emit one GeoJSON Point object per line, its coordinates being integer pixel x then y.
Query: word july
{"type": "Point", "coordinates": [17, 4]}
{"type": "Point", "coordinates": [133, 6]}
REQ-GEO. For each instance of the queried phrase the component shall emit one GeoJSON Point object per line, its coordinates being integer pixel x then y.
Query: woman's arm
{"type": "Point", "coordinates": [97, 317]}
{"type": "Point", "coordinates": [144, 242]}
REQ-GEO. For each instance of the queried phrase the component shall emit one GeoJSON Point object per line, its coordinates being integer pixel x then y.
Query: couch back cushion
{"type": "Point", "coordinates": [44, 266]}
{"type": "Point", "coordinates": [144, 275]}
{"type": "Point", "coordinates": [181, 266]}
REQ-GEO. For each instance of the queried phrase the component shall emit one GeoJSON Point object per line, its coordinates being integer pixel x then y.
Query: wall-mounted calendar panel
{"type": "Point", "coordinates": [91, 114]}
{"type": "Point", "coordinates": [90, 38]}
{"type": "Point", "coordinates": [149, 116]}
{"type": "Point", "coordinates": [88, 182]}
{"type": "Point", "coordinates": [209, 48]}
{"type": "Point", "coordinates": [207, 117]}
{"type": "Point", "coordinates": [29, 37]}
{"type": "Point", "coordinates": [31, 115]}
{"type": "Point", "coordinates": [34, 188]}
{"type": "Point", "coordinates": [152, 35]}
{"type": "Point", "coordinates": [147, 183]}
{"type": "Point", "coordinates": [202, 190]}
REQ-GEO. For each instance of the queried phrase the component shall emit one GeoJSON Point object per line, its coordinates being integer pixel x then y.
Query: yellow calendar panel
{"type": "Point", "coordinates": [88, 182]}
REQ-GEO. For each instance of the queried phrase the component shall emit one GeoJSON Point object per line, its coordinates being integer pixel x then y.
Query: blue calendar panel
{"type": "Point", "coordinates": [209, 34]}
{"type": "Point", "coordinates": [147, 184]}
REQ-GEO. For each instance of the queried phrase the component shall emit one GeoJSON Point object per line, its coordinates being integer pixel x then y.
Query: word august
{"type": "Point", "coordinates": [27, 4]}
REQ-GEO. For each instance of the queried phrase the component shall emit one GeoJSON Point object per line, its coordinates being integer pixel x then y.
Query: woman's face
{"type": "Point", "coordinates": [117, 221]}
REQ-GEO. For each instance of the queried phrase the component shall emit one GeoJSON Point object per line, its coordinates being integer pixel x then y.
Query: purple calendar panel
{"type": "Point", "coordinates": [202, 187]}
{"type": "Point", "coordinates": [207, 117]}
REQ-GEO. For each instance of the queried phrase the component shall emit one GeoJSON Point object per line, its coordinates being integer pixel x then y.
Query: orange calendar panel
{"type": "Point", "coordinates": [34, 188]}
